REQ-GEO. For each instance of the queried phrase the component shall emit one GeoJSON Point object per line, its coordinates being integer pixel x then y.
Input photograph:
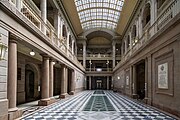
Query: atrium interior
{"type": "Point", "coordinates": [89, 59]}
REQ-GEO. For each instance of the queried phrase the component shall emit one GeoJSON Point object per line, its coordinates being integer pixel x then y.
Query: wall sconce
{"type": "Point", "coordinates": [118, 77]}
{"type": "Point", "coordinates": [3, 49]}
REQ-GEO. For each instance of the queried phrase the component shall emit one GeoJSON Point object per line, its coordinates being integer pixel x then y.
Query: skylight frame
{"type": "Point", "coordinates": [99, 13]}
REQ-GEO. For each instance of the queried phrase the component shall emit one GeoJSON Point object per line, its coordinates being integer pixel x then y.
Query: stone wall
{"type": "Point", "coordinates": [162, 48]}
{"type": "Point", "coordinates": [79, 81]}
{"type": "Point", "coordinates": [3, 78]}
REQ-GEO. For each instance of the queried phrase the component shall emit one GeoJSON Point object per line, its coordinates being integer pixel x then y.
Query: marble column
{"type": "Point", "coordinates": [18, 4]}
{"type": "Point", "coordinates": [130, 38]}
{"type": "Point", "coordinates": [12, 75]}
{"type": "Point", "coordinates": [85, 83]}
{"type": "Point", "coordinates": [114, 53]}
{"type": "Point", "coordinates": [146, 78]}
{"type": "Point", "coordinates": [72, 87]}
{"type": "Point", "coordinates": [68, 38]}
{"type": "Point", "coordinates": [45, 78]}
{"type": "Point", "coordinates": [43, 7]}
{"type": "Point", "coordinates": [134, 82]}
{"type": "Point", "coordinates": [51, 78]}
{"type": "Point", "coordinates": [61, 27]}
{"type": "Point", "coordinates": [84, 54]}
{"type": "Point", "coordinates": [122, 52]}
{"type": "Point", "coordinates": [89, 82]}
{"type": "Point", "coordinates": [107, 82]}
{"type": "Point", "coordinates": [64, 81]}
{"type": "Point", "coordinates": [73, 47]}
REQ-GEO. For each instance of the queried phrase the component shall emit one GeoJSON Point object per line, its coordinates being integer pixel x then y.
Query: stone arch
{"type": "Point", "coordinates": [109, 32]}
{"type": "Point", "coordinates": [32, 73]}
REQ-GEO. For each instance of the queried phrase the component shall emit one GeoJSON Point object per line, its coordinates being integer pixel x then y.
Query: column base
{"type": "Point", "coordinates": [134, 96]}
{"type": "Point", "coordinates": [46, 102]}
{"type": "Point", "coordinates": [63, 96]}
{"type": "Point", "coordinates": [71, 93]}
{"type": "Point", "coordinates": [14, 113]}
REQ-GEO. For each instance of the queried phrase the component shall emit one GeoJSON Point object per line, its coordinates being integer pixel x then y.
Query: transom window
{"type": "Point", "coordinates": [99, 13]}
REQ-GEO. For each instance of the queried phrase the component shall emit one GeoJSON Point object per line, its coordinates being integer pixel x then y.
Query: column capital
{"type": "Point", "coordinates": [116, 39]}
{"type": "Point", "coordinates": [84, 43]}
{"type": "Point", "coordinates": [113, 43]}
{"type": "Point", "coordinates": [13, 38]}
{"type": "Point", "coordinates": [51, 59]}
{"type": "Point", "coordinates": [45, 56]}
{"type": "Point", "coordinates": [63, 65]}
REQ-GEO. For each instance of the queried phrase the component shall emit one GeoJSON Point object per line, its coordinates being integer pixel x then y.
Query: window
{"type": "Point", "coordinates": [70, 42]}
{"type": "Point", "coordinates": [64, 31]}
{"type": "Point", "coordinates": [146, 14]}
{"type": "Point", "coordinates": [128, 42]}
{"type": "Point", "coordinates": [99, 13]}
{"type": "Point", "coordinates": [134, 32]}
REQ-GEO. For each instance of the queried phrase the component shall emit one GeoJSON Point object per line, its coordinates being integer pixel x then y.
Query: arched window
{"type": "Point", "coordinates": [160, 3]}
{"type": "Point", "coordinates": [124, 45]}
{"type": "Point", "coordinates": [64, 31]}
{"type": "Point", "coordinates": [70, 41]}
{"type": "Point", "coordinates": [128, 42]}
{"type": "Point", "coordinates": [146, 14]}
{"type": "Point", "coordinates": [134, 32]}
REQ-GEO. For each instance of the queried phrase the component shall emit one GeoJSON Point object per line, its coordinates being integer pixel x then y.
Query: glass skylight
{"type": "Point", "coordinates": [99, 13]}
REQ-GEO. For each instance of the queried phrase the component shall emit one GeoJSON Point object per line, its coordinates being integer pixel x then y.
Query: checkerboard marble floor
{"type": "Point", "coordinates": [72, 109]}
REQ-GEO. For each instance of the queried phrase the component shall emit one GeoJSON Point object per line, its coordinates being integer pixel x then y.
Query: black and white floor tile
{"type": "Point", "coordinates": [72, 109]}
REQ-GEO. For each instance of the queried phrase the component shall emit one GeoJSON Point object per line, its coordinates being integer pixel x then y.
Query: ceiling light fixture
{"type": "Point", "coordinates": [32, 53]}
{"type": "Point", "coordinates": [53, 63]}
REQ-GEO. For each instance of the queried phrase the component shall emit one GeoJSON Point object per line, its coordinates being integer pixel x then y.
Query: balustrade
{"type": "Point", "coordinates": [164, 16]}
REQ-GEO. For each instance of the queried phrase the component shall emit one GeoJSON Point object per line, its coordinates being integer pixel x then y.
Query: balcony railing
{"type": "Point", "coordinates": [98, 69]}
{"type": "Point", "coordinates": [33, 14]}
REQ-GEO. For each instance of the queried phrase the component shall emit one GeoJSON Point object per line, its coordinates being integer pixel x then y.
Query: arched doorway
{"type": "Point", "coordinates": [31, 83]}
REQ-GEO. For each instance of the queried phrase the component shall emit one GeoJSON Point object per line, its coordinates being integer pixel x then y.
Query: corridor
{"type": "Point", "coordinates": [97, 105]}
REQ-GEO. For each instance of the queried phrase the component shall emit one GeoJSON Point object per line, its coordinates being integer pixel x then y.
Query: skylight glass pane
{"type": "Point", "coordinates": [99, 13]}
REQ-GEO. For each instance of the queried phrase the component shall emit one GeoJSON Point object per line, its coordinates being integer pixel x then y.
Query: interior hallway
{"type": "Point", "coordinates": [76, 107]}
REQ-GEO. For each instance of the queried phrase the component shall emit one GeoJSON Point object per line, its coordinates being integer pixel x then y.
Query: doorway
{"type": "Point", "coordinates": [140, 72]}
{"type": "Point", "coordinates": [31, 84]}
{"type": "Point", "coordinates": [98, 84]}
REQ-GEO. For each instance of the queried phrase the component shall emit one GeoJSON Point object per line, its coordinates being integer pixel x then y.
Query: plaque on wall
{"type": "Point", "coordinates": [163, 76]}
{"type": "Point", "coordinates": [127, 80]}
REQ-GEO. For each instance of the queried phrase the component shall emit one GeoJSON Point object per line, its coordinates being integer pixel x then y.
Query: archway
{"type": "Point", "coordinates": [140, 72]}
{"type": "Point", "coordinates": [31, 83]}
